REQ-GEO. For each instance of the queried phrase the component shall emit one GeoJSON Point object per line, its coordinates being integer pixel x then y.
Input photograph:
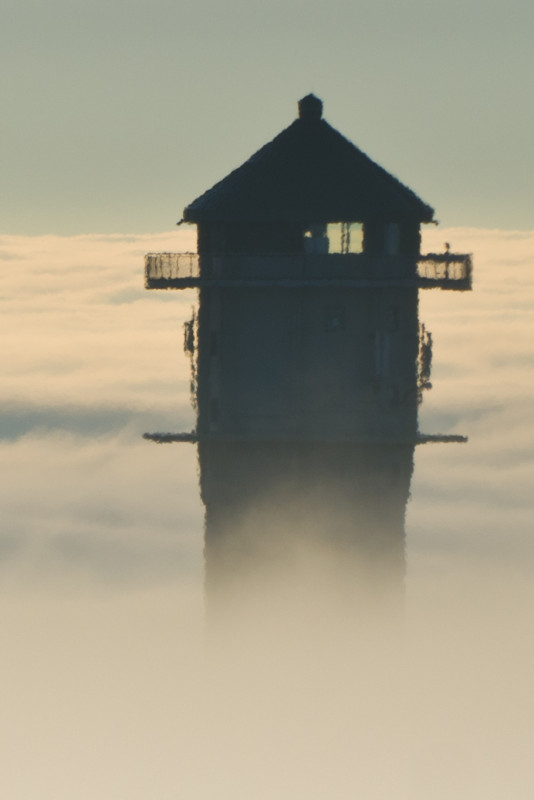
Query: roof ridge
{"type": "Point", "coordinates": [309, 168]}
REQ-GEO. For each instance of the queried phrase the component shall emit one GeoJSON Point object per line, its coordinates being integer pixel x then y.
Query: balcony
{"type": "Point", "coordinates": [447, 270]}
{"type": "Point", "coordinates": [182, 270]}
{"type": "Point", "coordinates": [169, 268]}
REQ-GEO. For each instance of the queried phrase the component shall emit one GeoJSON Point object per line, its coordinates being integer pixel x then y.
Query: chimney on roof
{"type": "Point", "coordinates": [310, 107]}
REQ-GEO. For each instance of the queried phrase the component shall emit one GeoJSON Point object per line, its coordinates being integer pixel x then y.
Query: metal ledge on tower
{"type": "Point", "coordinates": [192, 437]}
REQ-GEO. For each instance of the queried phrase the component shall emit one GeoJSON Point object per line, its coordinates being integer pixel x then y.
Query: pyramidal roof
{"type": "Point", "coordinates": [309, 173]}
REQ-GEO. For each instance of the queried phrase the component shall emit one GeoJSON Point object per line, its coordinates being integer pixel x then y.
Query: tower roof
{"type": "Point", "coordinates": [309, 173]}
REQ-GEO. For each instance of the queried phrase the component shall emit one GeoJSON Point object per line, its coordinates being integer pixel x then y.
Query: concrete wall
{"type": "Point", "coordinates": [309, 363]}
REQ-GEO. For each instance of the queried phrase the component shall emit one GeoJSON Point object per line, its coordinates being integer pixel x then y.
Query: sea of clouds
{"type": "Point", "coordinates": [107, 689]}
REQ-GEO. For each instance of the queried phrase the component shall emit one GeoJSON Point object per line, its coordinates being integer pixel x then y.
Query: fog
{"type": "Point", "coordinates": [114, 683]}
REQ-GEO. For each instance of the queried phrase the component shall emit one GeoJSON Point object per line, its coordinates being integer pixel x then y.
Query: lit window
{"type": "Point", "coordinates": [345, 237]}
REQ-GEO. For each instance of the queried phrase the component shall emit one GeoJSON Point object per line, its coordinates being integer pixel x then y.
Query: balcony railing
{"type": "Point", "coordinates": [171, 267]}
{"type": "Point", "coordinates": [182, 270]}
{"type": "Point", "coordinates": [445, 267]}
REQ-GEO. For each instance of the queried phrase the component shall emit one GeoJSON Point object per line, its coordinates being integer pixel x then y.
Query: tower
{"type": "Point", "coordinates": [308, 355]}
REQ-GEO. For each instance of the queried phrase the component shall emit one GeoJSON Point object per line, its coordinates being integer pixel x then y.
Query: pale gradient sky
{"type": "Point", "coordinates": [115, 115]}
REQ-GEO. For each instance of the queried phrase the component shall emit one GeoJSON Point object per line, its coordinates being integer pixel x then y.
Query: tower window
{"type": "Point", "coordinates": [345, 237]}
{"type": "Point", "coordinates": [315, 239]}
{"type": "Point", "coordinates": [381, 354]}
{"type": "Point", "coordinates": [391, 239]}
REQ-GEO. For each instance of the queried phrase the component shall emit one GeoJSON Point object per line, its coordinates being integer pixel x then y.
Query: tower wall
{"type": "Point", "coordinates": [313, 516]}
{"type": "Point", "coordinates": [307, 415]}
{"type": "Point", "coordinates": [308, 363]}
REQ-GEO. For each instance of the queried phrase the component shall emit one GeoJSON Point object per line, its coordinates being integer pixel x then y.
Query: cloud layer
{"type": "Point", "coordinates": [107, 690]}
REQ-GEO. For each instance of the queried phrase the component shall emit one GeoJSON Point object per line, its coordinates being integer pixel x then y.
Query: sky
{"type": "Point", "coordinates": [107, 687]}
{"type": "Point", "coordinates": [117, 115]}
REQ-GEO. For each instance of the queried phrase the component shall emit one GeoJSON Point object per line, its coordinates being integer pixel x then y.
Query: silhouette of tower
{"type": "Point", "coordinates": [308, 356]}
